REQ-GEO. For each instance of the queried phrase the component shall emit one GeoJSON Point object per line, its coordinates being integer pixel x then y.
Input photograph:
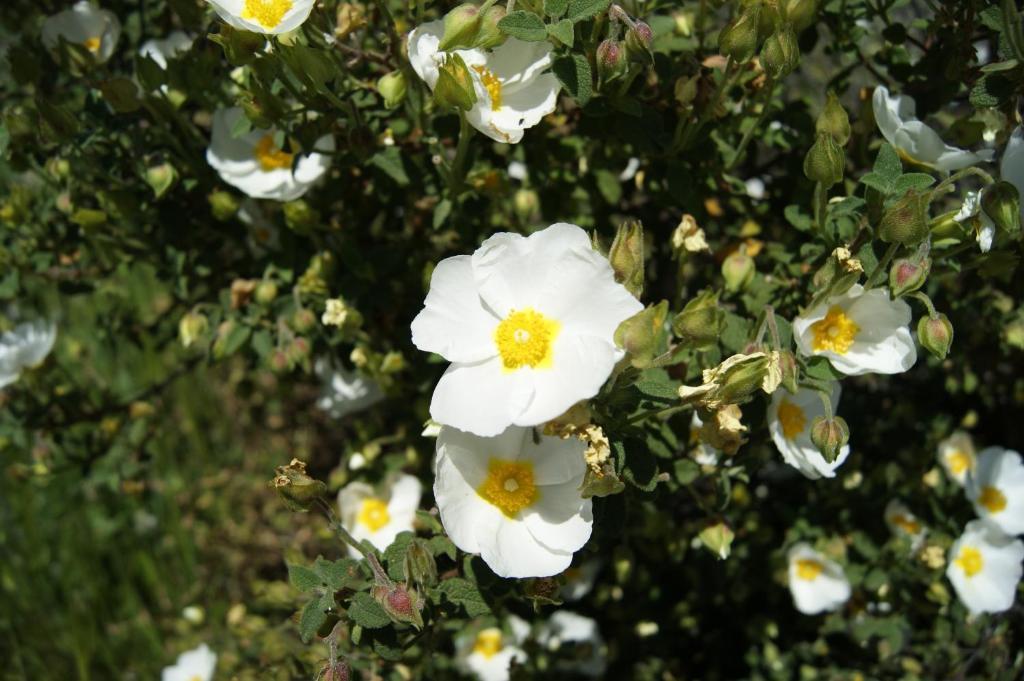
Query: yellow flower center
{"type": "Point", "coordinates": [269, 156]}
{"type": "Point", "coordinates": [992, 499]}
{"type": "Point", "coordinates": [196, 677]}
{"type": "Point", "coordinates": [959, 461]}
{"type": "Point", "coordinates": [93, 44]}
{"type": "Point", "coordinates": [509, 486]}
{"type": "Point", "coordinates": [905, 523]}
{"type": "Point", "coordinates": [373, 514]}
{"type": "Point", "coordinates": [834, 333]}
{"type": "Point", "coordinates": [792, 419]}
{"type": "Point", "coordinates": [491, 84]}
{"type": "Point", "coordinates": [267, 13]}
{"type": "Point", "coordinates": [524, 338]}
{"type": "Point", "coordinates": [808, 569]}
{"type": "Point", "coordinates": [488, 643]}
{"type": "Point", "coordinates": [970, 561]}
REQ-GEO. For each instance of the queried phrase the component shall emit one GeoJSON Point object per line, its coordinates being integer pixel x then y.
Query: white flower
{"type": "Point", "coordinates": [97, 30]}
{"type": "Point", "coordinates": [513, 499]}
{"type": "Point", "coordinates": [24, 347]}
{"type": "Point", "coordinates": [897, 121]}
{"type": "Point", "coordinates": [985, 567]}
{"type": "Point", "coordinates": [789, 422]}
{"type": "Point", "coordinates": [345, 392]}
{"type": "Point", "coordinates": [702, 453]}
{"type": "Point", "coordinates": [160, 50]}
{"type": "Point", "coordinates": [513, 88]}
{"type": "Point", "coordinates": [488, 655]}
{"type": "Point", "coordinates": [629, 172]}
{"type": "Point", "coordinates": [860, 332]}
{"type": "Point", "coordinates": [902, 522]}
{"type": "Point", "coordinates": [816, 583]}
{"type": "Point", "coordinates": [1011, 167]}
{"type": "Point", "coordinates": [528, 324]}
{"type": "Point", "coordinates": [517, 170]}
{"type": "Point", "coordinates": [577, 641]}
{"type": "Point", "coordinates": [996, 488]}
{"type": "Point", "coordinates": [378, 516]}
{"type": "Point", "coordinates": [956, 454]}
{"type": "Point", "coordinates": [579, 580]}
{"type": "Point", "coordinates": [254, 164]}
{"type": "Point", "coordinates": [194, 665]}
{"type": "Point", "coordinates": [971, 211]}
{"type": "Point", "coordinates": [264, 16]}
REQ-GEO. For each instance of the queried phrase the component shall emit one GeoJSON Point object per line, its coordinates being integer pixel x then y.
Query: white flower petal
{"type": "Point", "coordinates": [560, 517]}
{"type": "Point", "coordinates": [198, 663]}
{"type": "Point", "coordinates": [1002, 470]}
{"type": "Point", "coordinates": [481, 398]}
{"type": "Point", "coordinates": [513, 551]}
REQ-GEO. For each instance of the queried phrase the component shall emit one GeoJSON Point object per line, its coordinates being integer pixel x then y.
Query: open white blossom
{"type": "Point", "coordinates": [903, 523]}
{"type": "Point", "coordinates": [264, 16]}
{"type": "Point", "coordinates": [956, 454]}
{"type": "Point", "coordinates": [379, 515]}
{"type": "Point", "coordinates": [514, 89]}
{"type": "Point", "coordinates": [489, 653]}
{"type": "Point", "coordinates": [1011, 169]}
{"type": "Point", "coordinates": [789, 422]}
{"type": "Point", "coordinates": [513, 499]}
{"type": "Point", "coordinates": [254, 164]}
{"type": "Point", "coordinates": [579, 580]}
{"type": "Point", "coordinates": [898, 123]}
{"type": "Point", "coordinates": [345, 392]}
{"type": "Point", "coordinates": [528, 324]}
{"type": "Point", "coordinates": [996, 488]}
{"type": "Point", "coordinates": [193, 665]}
{"type": "Point", "coordinates": [95, 29]}
{"type": "Point", "coordinates": [817, 583]}
{"type": "Point", "coordinates": [24, 347]}
{"type": "Point", "coordinates": [161, 50]}
{"type": "Point", "coordinates": [985, 567]}
{"type": "Point", "coordinates": [860, 332]}
{"type": "Point", "coordinates": [576, 642]}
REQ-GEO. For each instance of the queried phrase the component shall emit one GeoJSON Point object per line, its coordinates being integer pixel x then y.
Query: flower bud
{"type": "Point", "coordinates": [297, 351]}
{"type": "Point", "coordinates": [420, 566]}
{"type": "Point", "coordinates": [641, 334]}
{"type": "Point", "coordinates": [400, 603]}
{"type": "Point", "coordinates": [1001, 202]}
{"type": "Point", "coordinates": [278, 361]}
{"type": "Point", "coordinates": [611, 60]}
{"type": "Point", "coordinates": [738, 39]}
{"type": "Point", "coordinates": [829, 435]}
{"type": "Point", "coordinates": [303, 320]}
{"type": "Point", "coordinates": [627, 256]}
{"type": "Point", "coordinates": [908, 275]}
{"type": "Point", "coordinates": [780, 54]}
{"type": "Point", "coordinates": [300, 217]}
{"type": "Point", "coordinates": [935, 334]}
{"type": "Point", "coordinates": [825, 161]}
{"type": "Point", "coordinates": [392, 87]}
{"type": "Point", "coordinates": [906, 220]}
{"type": "Point", "coordinates": [717, 538]}
{"type": "Point", "coordinates": [241, 292]}
{"type": "Point", "coordinates": [683, 24]}
{"type": "Point", "coordinates": [224, 332]}
{"type": "Point", "coordinates": [392, 362]}
{"type": "Point", "coordinates": [526, 204]}
{"type": "Point", "coordinates": [161, 178]}
{"type": "Point", "coordinates": [192, 327]}
{"type": "Point", "coordinates": [834, 120]}
{"type": "Point", "coordinates": [790, 371]}
{"type": "Point", "coordinates": [700, 323]}
{"type": "Point", "coordinates": [461, 26]}
{"type": "Point", "coordinates": [490, 36]}
{"type": "Point", "coordinates": [338, 670]}
{"type": "Point", "coordinates": [801, 13]}
{"type": "Point", "coordinates": [454, 88]}
{"type": "Point", "coordinates": [297, 489]}
{"type": "Point", "coordinates": [742, 379]}
{"type": "Point", "coordinates": [638, 43]}
{"type": "Point", "coordinates": [266, 292]}
{"type": "Point", "coordinates": [686, 89]}
{"type": "Point", "coordinates": [737, 270]}
{"type": "Point", "coordinates": [223, 205]}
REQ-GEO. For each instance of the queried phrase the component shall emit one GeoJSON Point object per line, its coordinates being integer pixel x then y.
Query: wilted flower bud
{"type": "Point", "coordinates": [526, 204]}
{"type": "Point", "coordinates": [161, 178]}
{"type": "Point", "coordinates": [461, 26]}
{"type": "Point", "coordinates": [737, 270]}
{"type": "Point", "coordinates": [700, 323]}
{"type": "Point", "coordinates": [223, 204]}
{"type": "Point", "coordinates": [638, 43]}
{"type": "Point", "coordinates": [297, 489]}
{"type": "Point", "coordinates": [611, 60]}
{"type": "Point", "coordinates": [490, 36]}
{"type": "Point", "coordinates": [790, 371]}
{"type": "Point", "coordinates": [717, 539]}
{"type": "Point", "coordinates": [935, 334]}
{"type": "Point", "coordinates": [738, 39]}
{"type": "Point", "coordinates": [454, 88]}
{"type": "Point", "coordinates": [742, 379]}
{"type": "Point", "coordinates": [1001, 202]}
{"type": "Point", "coordinates": [908, 275]}
{"type": "Point", "coordinates": [266, 292]}
{"type": "Point", "coordinates": [829, 435]}
{"type": "Point", "coordinates": [420, 566]}
{"type": "Point", "coordinates": [303, 320]}
{"type": "Point", "coordinates": [392, 87]}
{"type": "Point", "coordinates": [241, 292]}
{"type": "Point", "coordinates": [905, 221]}
{"type": "Point", "coordinates": [640, 335]}
{"type": "Point", "coordinates": [400, 603]}
{"type": "Point", "coordinates": [825, 161]}
{"type": "Point", "coordinates": [627, 256]}
{"type": "Point", "coordinates": [780, 54]}
{"type": "Point", "coordinates": [192, 327]}
{"type": "Point", "coordinates": [834, 120]}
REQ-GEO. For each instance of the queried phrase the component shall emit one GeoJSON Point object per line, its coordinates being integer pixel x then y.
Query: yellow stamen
{"type": "Point", "coordinates": [808, 569]}
{"type": "Point", "coordinates": [834, 333]}
{"type": "Point", "coordinates": [491, 84]}
{"type": "Point", "coordinates": [992, 499]}
{"type": "Point", "coordinates": [792, 418]}
{"type": "Point", "coordinates": [267, 13]}
{"type": "Point", "coordinates": [488, 643]}
{"type": "Point", "coordinates": [509, 486]}
{"type": "Point", "coordinates": [970, 561]}
{"type": "Point", "coordinates": [959, 461]}
{"type": "Point", "coordinates": [269, 156]}
{"type": "Point", "coordinates": [905, 523]}
{"type": "Point", "coordinates": [93, 44]}
{"type": "Point", "coordinates": [525, 338]}
{"type": "Point", "coordinates": [373, 514]}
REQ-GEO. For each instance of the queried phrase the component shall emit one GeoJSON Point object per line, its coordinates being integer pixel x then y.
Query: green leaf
{"type": "Point", "coordinates": [394, 556]}
{"type": "Point", "coordinates": [311, 619]}
{"type": "Point", "coordinates": [912, 181]}
{"type": "Point", "coordinates": [584, 9]}
{"type": "Point", "coordinates": [555, 8]}
{"type": "Point", "coordinates": [798, 218]}
{"type": "Point", "coordinates": [524, 26]}
{"type": "Point", "coordinates": [5, 139]}
{"type": "Point", "coordinates": [608, 184]}
{"type": "Point", "coordinates": [302, 578]}
{"type": "Point", "coordinates": [338, 574]}
{"type": "Point", "coordinates": [390, 162]}
{"type": "Point", "coordinates": [441, 212]}
{"type": "Point", "coordinates": [564, 32]}
{"type": "Point", "coordinates": [573, 72]}
{"type": "Point", "coordinates": [466, 594]}
{"type": "Point", "coordinates": [887, 163]}
{"type": "Point", "coordinates": [657, 385]}
{"type": "Point", "coordinates": [821, 369]}
{"type": "Point", "coordinates": [876, 181]}
{"type": "Point", "coordinates": [442, 545]}
{"type": "Point", "coordinates": [687, 470]}
{"type": "Point", "coordinates": [366, 612]}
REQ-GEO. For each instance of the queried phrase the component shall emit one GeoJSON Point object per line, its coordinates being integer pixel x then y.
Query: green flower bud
{"type": "Point", "coordinates": [935, 334]}
{"type": "Point", "coordinates": [392, 362]}
{"type": "Point", "coordinates": [400, 603]}
{"type": "Point", "coordinates": [801, 13]}
{"type": "Point", "coordinates": [526, 204]}
{"type": "Point", "coordinates": [627, 256]}
{"type": "Point", "coordinates": [303, 320]}
{"type": "Point", "coordinates": [266, 292]}
{"type": "Point", "coordinates": [780, 54]}
{"type": "Point", "coordinates": [641, 334]}
{"type": "Point", "coordinates": [906, 220]}
{"type": "Point", "coordinates": [825, 161]}
{"type": "Point", "coordinates": [1013, 333]}
{"type": "Point", "coordinates": [392, 87]}
{"type": "Point", "coordinates": [829, 435]}
{"type": "Point", "coordinates": [301, 217]}
{"type": "Point", "coordinates": [638, 42]}
{"type": "Point", "coordinates": [717, 538]}
{"type": "Point", "coordinates": [278, 361]}
{"type": "Point", "coordinates": [297, 489]}
{"type": "Point", "coordinates": [738, 40]}
{"type": "Point", "coordinates": [686, 89]}
{"type": "Point", "coordinates": [908, 275]}
{"type": "Point", "coordinates": [834, 120]}
{"type": "Point", "coordinates": [420, 566]}
{"type": "Point", "coordinates": [461, 26]}
{"type": "Point", "coordinates": [223, 205]}
{"type": "Point", "coordinates": [88, 218]}
{"type": "Point", "coordinates": [454, 88]}
{"type": "Point", "coordinates": [701, 322]}
{"type": "Point", "coordinates": [742, 379]}
{"type": "Point", "coordinates": [297, 351]}
{"type": "Point", "coordinates": [1001, 202]}
{"type": "Point", "coordinates": [790, 371]}
{"type": "Point", "coordinates": [490, 36]}
{"type": "Point", "coordinates": [161, 178]}
{"type": "Point", "coordinates": [737, 270]}
{"type": "Point", "coordinates": [192, 327]}
{"type": "Point", "coordinates": [611, 60]}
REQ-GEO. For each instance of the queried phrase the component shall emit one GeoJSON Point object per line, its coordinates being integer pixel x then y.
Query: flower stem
{"type": "Point", "coordinates": [689, 132]}
{"type": "Point", "coordinates": [956, 177]}
{"type": "Point", "coordinates": [766, 101]}
{"type": "Point", "coordinates": [821, 209]}
{"type": "Point", "coordinates": [882, 265]}
{"type": "Point", "coordinates": [457, 170]}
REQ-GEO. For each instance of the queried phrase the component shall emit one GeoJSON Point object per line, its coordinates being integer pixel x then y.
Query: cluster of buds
{"type": "Point", "coordinates": [614, 56]}
{"type": "Point", "coordinates": [909, 274]}
{"type": "Point", "coordinates": [826, 160]}
{"type": "Point", "coordinates": [701, 322]}
{"type": "Point", "coordinates": [470, 27]}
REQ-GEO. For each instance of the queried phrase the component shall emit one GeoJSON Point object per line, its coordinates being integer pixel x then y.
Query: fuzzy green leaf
{"type": "Point", "coordinates": [584, 9]}
{"type": "Point", "coordinates": [366, 612]}
{"type": "Point", "coordinates": [524, 26]}
{"type": "Point", "coordinates": [464, 593]}
{"type": "Point", "coordinates": [573, 72]}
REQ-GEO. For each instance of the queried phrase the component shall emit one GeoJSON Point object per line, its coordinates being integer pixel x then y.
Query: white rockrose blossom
{"type": "Point", "coordinates": [24, 347]}
{"type": "Point", "coordinates": [996, 488]}
{"type": "Point", "coordinates": [985, 567]}
{"type": "Point", "coordinates": [379, 515]}
{"type": "Point", "coordinates": [489, 653]}
{"type": "Point", "coordinates": [903, 523]}
{"type": "Point", "coordinates": [1011, 167]}
{"type": "Point", "coordinates": [817, 583]}
{"type": "Point", "coordinates": [514, 499]}
{"type": "Point", "coordinates": [254, 164]}
{"type": "Point", "coordinates": [576, 642]}
{"type": "Point", "coordinates": [972, 213]}
{"type": "Point", "coordinates": [194, 665]}
{"type": "Point", "coordinates": [789, 422]}
{"type": "Point", "coordinates": [528, 324]}
{"type": "Point", "coordinates": [161, 50]}
{"type": "Point", "coordinates": [95, 29]}
{"type": "Point", "coordinates": [860, 332]}
{"type": "Point", "coordinates": [514, 89]}
{"type": "Point", "coordinates": [898, 123]}
{"type": "Point", "coordinates": [345, 392]}
{"type": "Point", "coordinates": [264, 16]}
{"type": "Point", "coordinates": [580, 580]}
{"type": "Point", "coordinates": [956, 455]}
